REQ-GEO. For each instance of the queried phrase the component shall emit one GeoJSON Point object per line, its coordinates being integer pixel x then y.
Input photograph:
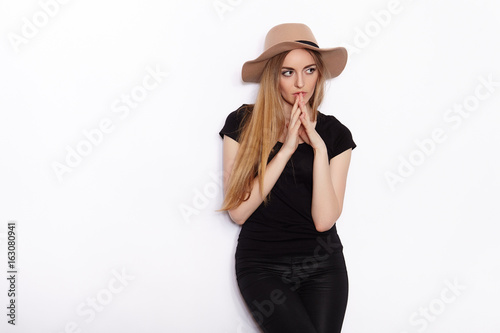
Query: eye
{"type": "Point", "coordinates": [311, 70]}
{"type": "Point", "coordinates": [287, 73]}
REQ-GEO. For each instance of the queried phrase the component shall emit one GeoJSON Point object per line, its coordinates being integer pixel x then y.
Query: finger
{"type": "Point", "coordinates": [305, 120]}
{"type": "Point", "coordinates": [297, 125]}
{"type": "Point", "coordinates": [304, 108]}
{"type": "Point", "coordinates": [302, 105]}
{"type": "Point", "coordinates": [298, 99]}
{"type": "Point", "coordinates": [295, 106]}
{"type": "Point", "coordinates": [295, 119]}
{"type": "Point", "coordinates": [294, 115]}
{"type": "Point", "coordinates": [302, 102]}
{"type": "Point", "coordinates": [293, 130]}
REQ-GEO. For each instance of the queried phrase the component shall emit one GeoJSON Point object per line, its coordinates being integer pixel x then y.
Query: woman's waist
{"type": "Point", "coordinates": [262, 245]}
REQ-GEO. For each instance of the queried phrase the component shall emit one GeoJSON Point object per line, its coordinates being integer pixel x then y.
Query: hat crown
{"type": "Point", "coordinates": [289, 36]}
{"type": "Point", "coordinates": [288, 32]}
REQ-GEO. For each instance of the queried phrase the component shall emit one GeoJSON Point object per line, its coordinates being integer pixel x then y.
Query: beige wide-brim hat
{"type": "Point", "coordinates": [290, 36]}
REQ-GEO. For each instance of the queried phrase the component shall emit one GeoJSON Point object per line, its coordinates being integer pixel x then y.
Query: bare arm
{"type": "Point", "coordinates": [329, 183]}
{"type": "Point", "coordinates": [329, 179]}
{"type": "Point", "coordinates": [273, 170]}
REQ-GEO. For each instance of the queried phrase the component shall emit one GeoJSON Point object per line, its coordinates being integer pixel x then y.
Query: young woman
{"type": "Point", "coordinates": [285, 170]}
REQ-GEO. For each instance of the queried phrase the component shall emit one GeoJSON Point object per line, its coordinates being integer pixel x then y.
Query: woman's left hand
{"type": "Point", "coordinates": [307, 130]}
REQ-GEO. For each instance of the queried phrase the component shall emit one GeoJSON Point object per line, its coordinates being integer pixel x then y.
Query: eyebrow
{"type": "Point", "coordinates": [294, 68]}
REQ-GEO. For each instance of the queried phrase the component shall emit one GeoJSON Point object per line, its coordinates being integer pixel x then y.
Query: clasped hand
{"type": "Point", "coordinates": [301, 126]}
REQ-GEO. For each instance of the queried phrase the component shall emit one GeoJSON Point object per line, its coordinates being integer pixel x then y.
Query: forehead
{"type": "Point", "coordinates": [298, 57]}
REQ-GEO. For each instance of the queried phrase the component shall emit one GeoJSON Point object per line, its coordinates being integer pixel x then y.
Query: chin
{"type": "Point", "coordinates": [287, 101]}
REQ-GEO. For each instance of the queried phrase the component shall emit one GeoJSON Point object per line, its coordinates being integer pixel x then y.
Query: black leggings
{"type": "Point", "coordinates": [303, 294]}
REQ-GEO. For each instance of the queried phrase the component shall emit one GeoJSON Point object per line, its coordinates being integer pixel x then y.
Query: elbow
{"type": "Point", "coordinates": [325, 223]}
{"type": "Point", "coordinates": [324, 227]}
{"type": "Point", "coordinates": [237, 217]}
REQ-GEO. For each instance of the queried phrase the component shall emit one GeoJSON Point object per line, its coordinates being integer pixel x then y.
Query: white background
{"type": "Point", "coordinates": [142, 202]}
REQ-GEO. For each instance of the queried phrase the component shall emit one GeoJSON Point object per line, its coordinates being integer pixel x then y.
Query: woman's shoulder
{"type": "Point", "coordinates": [336, 135]}
{"type": "Point", "coordinates": [240, 115]}
{"type": "Point", "coordinates": [235, 120]}
{"type": "Point", "coordinates": [330, 122]}
{"type": "Point", "coordinates": [242, 112]}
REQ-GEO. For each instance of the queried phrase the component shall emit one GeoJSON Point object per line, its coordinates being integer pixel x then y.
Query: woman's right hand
{"type": "Point", "coordinates": [292, 131]}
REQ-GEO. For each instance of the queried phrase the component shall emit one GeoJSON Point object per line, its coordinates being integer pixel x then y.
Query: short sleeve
{"type": "Point", "coordinates": [337, 137]}
{"type": "Point", "coordinates": [343, 141]}
{"type": "Point", "coordinates": [234, 123]}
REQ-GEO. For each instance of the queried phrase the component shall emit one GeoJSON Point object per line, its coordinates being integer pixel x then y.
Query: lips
{"type": "Point", "coordinates": [299, 92]}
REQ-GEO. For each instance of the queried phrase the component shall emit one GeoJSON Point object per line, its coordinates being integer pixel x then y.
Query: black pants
{"type": "Point", "coordinates": [303, 294]}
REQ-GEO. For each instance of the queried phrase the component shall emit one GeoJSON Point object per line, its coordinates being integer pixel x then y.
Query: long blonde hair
{"type": "Point", "coordinates": [262, 129]}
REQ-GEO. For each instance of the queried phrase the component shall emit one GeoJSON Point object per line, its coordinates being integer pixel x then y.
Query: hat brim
{"type": "Point", "coordinates": [335, 60]}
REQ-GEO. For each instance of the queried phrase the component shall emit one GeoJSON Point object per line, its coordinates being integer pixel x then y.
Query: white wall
{"type": "Point", "coordinates": [127, 239]}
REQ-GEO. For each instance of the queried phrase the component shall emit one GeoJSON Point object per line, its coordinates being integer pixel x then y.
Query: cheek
{"type": "Point", "coordinates": [283, 87]}
{"type": "Point", "coordinates": [313, 81]}
{"type": "Point", "coordinates": [282, 84]}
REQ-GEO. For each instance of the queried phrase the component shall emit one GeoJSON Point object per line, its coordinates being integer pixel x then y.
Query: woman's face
{"type": "Point", "coordinates": [298, 74]}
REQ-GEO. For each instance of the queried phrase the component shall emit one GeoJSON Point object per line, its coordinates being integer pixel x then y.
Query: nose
{"type": "Point", "coordinates": [299, 81]}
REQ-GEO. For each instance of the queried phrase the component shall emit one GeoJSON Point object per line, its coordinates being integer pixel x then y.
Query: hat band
{"type": "Point", "coordinates": [308, 43]}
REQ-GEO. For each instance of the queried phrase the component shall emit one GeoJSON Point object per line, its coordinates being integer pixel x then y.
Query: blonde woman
{"type": "Point", "coordinates": [285, 171]}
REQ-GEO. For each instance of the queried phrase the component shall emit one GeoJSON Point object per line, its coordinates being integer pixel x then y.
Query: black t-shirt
{"type": "Point", "coordinates": [284, 226]}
